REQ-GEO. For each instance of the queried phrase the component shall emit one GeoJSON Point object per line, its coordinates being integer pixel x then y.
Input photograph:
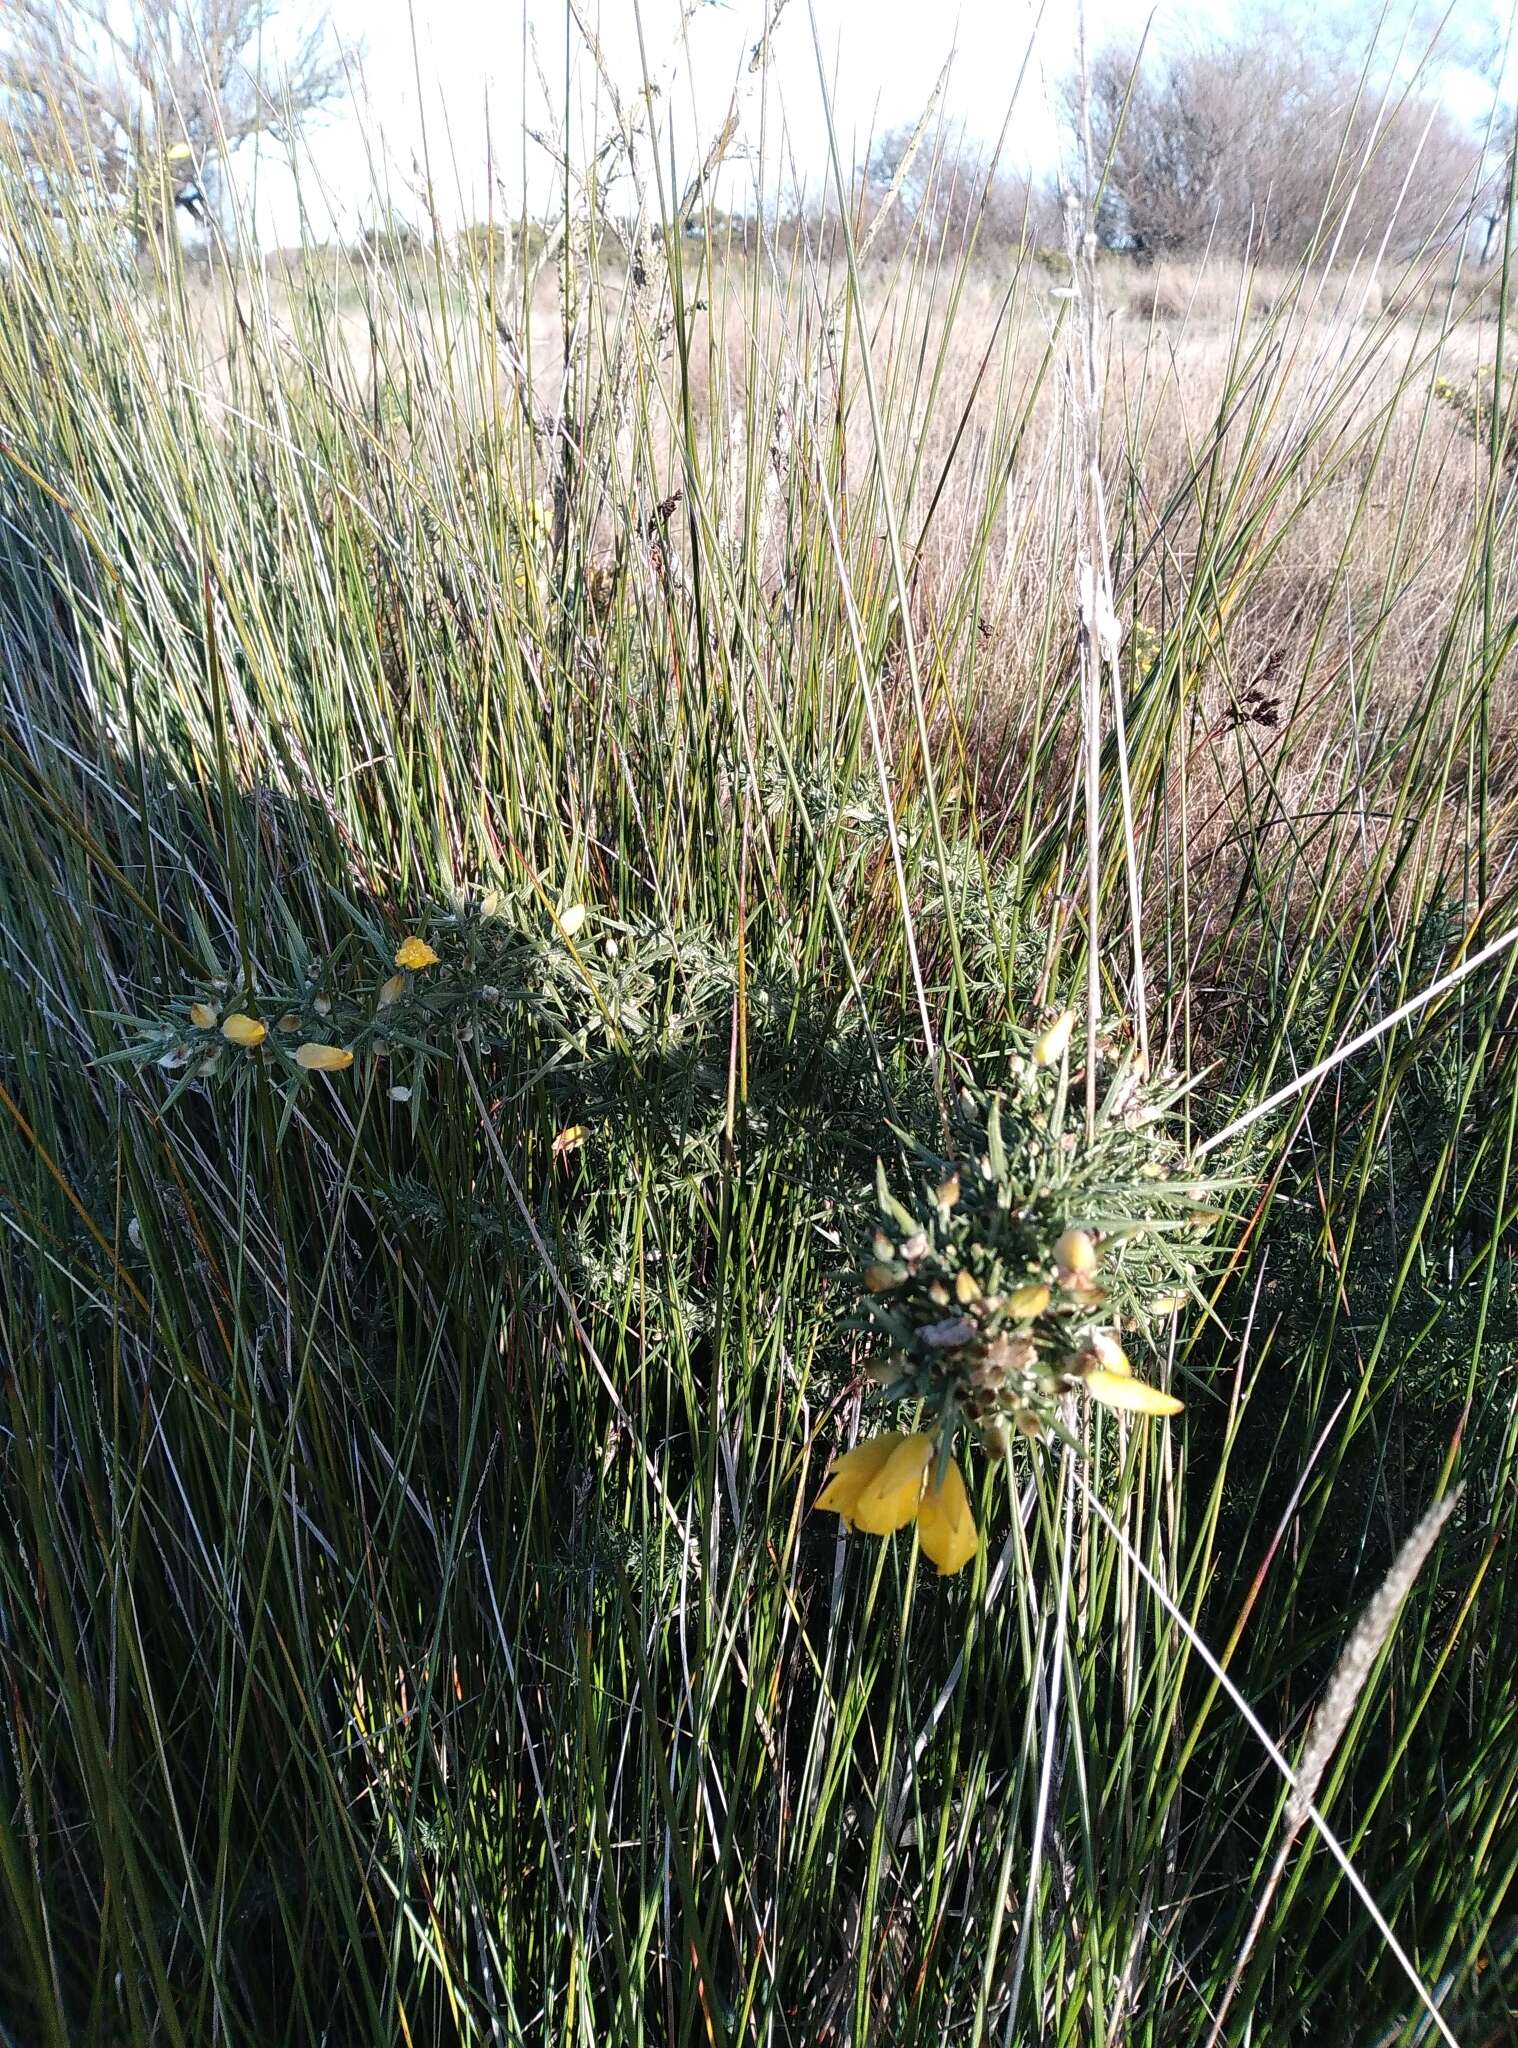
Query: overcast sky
{"type": "Point", "coordinates": [448, 86]}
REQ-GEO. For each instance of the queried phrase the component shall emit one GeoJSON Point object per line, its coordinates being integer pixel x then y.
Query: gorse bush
{"type": "Point", "coordinates": [648, 712]}
{"type": "Point", "coordinates": [1034, 1235]}
{"type": "Point", "coordinates": [1007, 1290]}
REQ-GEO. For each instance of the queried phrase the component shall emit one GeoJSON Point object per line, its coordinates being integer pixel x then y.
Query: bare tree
{"type": "Point", "coordinates": [1492, 206]}
{"type": "Point", "coordinates": [144, 101]}
{"type": "Point", "coordinates": [1264, 140]}
{"type": "Point", "coordinates": [946, 186]}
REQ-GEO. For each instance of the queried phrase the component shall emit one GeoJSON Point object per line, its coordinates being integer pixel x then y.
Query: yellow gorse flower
{"type": "Point", "coordinates": [1109, 1379]}
{"type": "Point", "coordinates": [244, 1030]}
{"type": "Point", "coordinates": [415, 953]}
{"type": "Point", "coordinates": [1003, 1292]}
{"type": "Point", "coordinates": [1108, 1353]}
{"type": "Point", "coordinates": [1121, 1390]}
{"type": "Point", "coordinates": [884, 1483]}
{"type": "Point", "coordinates": [203, 1015]}
{"type": "Point", "coordinates": [1050, 1047]}
{"type": "Point", "coordinates": [322, 1059]}
{"type": "Point", "coordinates": [1026, 1303]}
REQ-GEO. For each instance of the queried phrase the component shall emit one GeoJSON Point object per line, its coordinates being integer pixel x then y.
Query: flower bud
{"type": "Point", "coordinates": [1105, 1352]}
{"type": "Point", "coordinates": [1075, 1253]}
{"type": "Point", "coordinates": [1050, 1047]}
{"type": "Point", "coordinates": [1024, 1303]}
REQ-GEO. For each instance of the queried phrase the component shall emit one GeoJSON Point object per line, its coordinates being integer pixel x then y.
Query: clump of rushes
{"type": "Point", "coordinates": [1011, 1282]}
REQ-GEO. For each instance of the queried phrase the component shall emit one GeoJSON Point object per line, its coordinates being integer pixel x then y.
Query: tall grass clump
{"type": "Point", "coordinates": [681, 719]}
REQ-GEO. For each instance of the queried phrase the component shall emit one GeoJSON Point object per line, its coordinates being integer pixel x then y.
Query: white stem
{"type": "Point", "coordinates": [1329, 1839]}
{"type": "Point", "coordinates": [1354, 1045]}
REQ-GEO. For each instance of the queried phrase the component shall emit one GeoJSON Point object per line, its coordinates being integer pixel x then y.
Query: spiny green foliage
{"type": "Point", "coordinates": [411, 1625]}
{"type": "Point", "coordinates": [1484, 410]}
{"type": "Point", "coordinates": [1034, 1243]}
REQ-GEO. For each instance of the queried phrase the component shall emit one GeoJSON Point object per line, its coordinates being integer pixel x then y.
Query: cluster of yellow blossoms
{"type": "Point", "coordinates": [314, 1055]}
{"type": "Point", "coordinates": [887, 1481]}
{"type": "Point", "coordinates": [996, 1306]}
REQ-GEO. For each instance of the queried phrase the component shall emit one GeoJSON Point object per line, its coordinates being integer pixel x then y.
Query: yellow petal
{"type": "Point", "coordinates": [890, 1499]}
{"type": "Point", "coordinates": [945, 1525]}
{"type": "Point", "coordinates": [392, 990]}
{"type": "Point", "coordinates": [322, 1059]}
{"type": "Point", "coordinates": [244, 1030]}
{"type": "Point", "coordinates": [1109, 1354]}
{"type": "Point", "coordinates": [1122, 1390]}
{"type": "Point", "coordinates": [1049, 1047]}
{"type": "Point", "coordinates": [571, 1137]}
{"type": "Point", "coordinates": [1024, 1303]}
{"type": "Point", "coordinates": [203, 1015]}
{"type": "Point", "coordinates": [854, 1471]}
{"type": "Point", "coordinates": [415, 953]}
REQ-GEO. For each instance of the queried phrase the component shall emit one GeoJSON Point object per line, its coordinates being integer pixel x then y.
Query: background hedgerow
{"type": "Point", "coordinates": [411, 1624]}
